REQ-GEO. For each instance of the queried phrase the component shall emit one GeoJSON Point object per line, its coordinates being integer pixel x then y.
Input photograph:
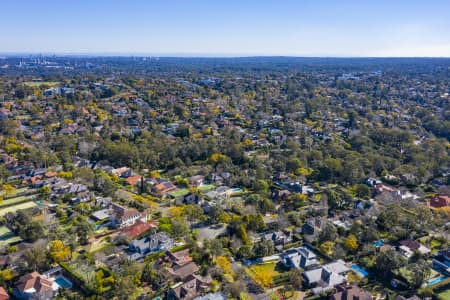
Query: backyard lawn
{"type": "Point", "coordinates": [264, 274]}
{"type": "Point", "coordinates": [16, 200]}
{"type": "Point", "coordinates": [179, 193]}
{"type": "Point", "coordinates": [206, 188]}
{"type": "Point", "coordinates": [7, 236]}
{"type": "Point", "coordinates": [444, 295]}
{"type": "Point", "coordinates": [17, 207]}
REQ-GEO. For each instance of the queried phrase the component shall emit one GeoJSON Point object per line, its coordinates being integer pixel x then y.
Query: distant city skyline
{"type": "Point", "coordinates": [347, 28]}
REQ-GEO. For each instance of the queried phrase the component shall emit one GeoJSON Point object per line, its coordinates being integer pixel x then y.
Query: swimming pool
{"type": "Point", "coordinates": [360, 270]}
{"type": "Point", "coordinates": [378, 243]}
{"type": "Point", "coordinates": [63, 282]}
{"type": "Point", "coordinates": [435, 280]}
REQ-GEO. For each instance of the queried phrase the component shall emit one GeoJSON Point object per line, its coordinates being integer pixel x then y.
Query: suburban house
{"type": "Point", "coordinates": [351, 292]}
{"type": "Point", "coordinates": [133, 180]}
{"type": "Point", "coordinates": [180, 273]}
{"type": "Point", "coordinates": [439, 201]}
{"type": "Point", "coordinates": [35, 286]}
{"type": "Point", "coordinates": [178, 258]}
{"type": "Point", "coordinates": [192, 198]}
{"type": "Point", "coordinates": [312, 228]}
{"type": "Point", "coordinates": [162, 189]}
{"type": "Point", "coordinates": [441, 261]}
{"type": "Point", "coordinates": [408, 247]}
{"type": "Point", "coordinates": [300, 257]}
{"type": "Point", "coordinates": [196, 180]}
{"type": "Point", "coordinates": [123, 216]}
{"type": "Point", "coordinates": [138, 229]}
{"type": "Point", "coordinates": [327, 277]}
{"type": "Point", "coordinates": [191, 288]}
{"type": "Point", "coordinates": [278, 237]}
{"type": "Point", "coordinates": [153, 243]}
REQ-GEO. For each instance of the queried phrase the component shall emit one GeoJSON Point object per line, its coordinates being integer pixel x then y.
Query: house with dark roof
{"type": "Point", "coordinates": [191, 288]}
{"type": "Point", "coordinates": [351, 292]}
{"type": "Point", "coordinates": [441, 261]}
{"type": "Point", "coordinates": [439, 201]}
{"type": "Point", "coordinates": [121, 216]}
{"type": "Point", "coordinates": [178, 258]}
{"type": "Point", "coordinates": [408, 247]}
{"type": "Point", "coordinates": [326, 277]}
{"type": "Point", "coordinates": [300, 257]}
{"type": "Point", "coordinates": [180, 273]}
{"type": "Point", "coordinates": [154, 243]}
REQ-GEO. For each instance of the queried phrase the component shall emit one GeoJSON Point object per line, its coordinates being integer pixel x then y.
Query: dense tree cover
{"type": "Point", "coordinates": [268, 126]}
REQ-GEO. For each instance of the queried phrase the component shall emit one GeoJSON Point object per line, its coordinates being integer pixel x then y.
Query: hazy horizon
{"type": "Point", "coordinates": [202, 28]}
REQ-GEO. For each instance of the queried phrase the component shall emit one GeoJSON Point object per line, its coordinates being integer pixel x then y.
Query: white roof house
{"type": "Point", "coordinates": [327, 276]}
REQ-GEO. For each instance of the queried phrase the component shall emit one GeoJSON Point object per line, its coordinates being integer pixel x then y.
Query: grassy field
{"type": "Point", "coordinates": [264, 274]}
{"type": "Point", "coordinates": [206, 188]}
{"type": "Point", "coordinates": [179, 193]}
{"type": "Point", "coordinates": [39, 83]}
{"type": "Point", "coordinates": [17, 207]}
{"type": "Point", "coordinates": [7, 236]}
{"type": "Point", "coordinates": [15, 200]}
{"type": "Point", "coordinates": [268, 269]}
{"type": "Point", "coordinates": [444, 295]}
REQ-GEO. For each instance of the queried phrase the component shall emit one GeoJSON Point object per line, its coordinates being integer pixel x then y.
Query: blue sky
{"type": "Point", "coordinates": [227, 27]}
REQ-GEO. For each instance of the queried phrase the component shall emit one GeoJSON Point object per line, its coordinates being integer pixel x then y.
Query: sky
{"type": "Point", "coordinates": [349, 28]}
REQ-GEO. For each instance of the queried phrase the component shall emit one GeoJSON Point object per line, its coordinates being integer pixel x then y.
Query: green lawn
{"type": "Point", "coordinates": [268, 269]}
{"type": "Point", "coordinates": [444, 295]}
{"type": "Point", "coordinates": [206, 188]}
{"type": "Point", "coordinates": [7, 236]}
{"type": "Point", "coordinates": [179, 193]}
{"type": "Point", "coordinates": [17, 207]}
{"type": "Point", "coordinates": [15, 200]}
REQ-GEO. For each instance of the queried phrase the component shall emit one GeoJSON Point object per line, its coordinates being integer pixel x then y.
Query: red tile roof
{"type": "Point", "coordinates": [3, 294]}
{"type": "Point", "coordinates": [133, 180]}
{"type": "Point", "coordinates": [34, 280]}
{"type": "Point", "coordinates": [139, 228]}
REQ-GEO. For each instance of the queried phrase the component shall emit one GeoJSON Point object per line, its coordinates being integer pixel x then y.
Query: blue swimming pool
{"type": "Point", "coordinates": [63, 282]}
{"type": "Point", "coordinates": [436, 280]}
{"type": "Point", "coordinates": [378, 243]}
{"type": "Point", "coordinates": [360, 270]}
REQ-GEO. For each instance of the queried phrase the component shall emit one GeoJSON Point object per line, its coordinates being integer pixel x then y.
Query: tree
{"type": "Point", "coordinates": [44, 192]}
{"type": "Point", "coordinates": [327, 247]}
{"type": "Point", "coordinates": [104, 184]}
{"type": "Point", "coordinates": [34, 259]}
{"type": "Point", "coordinates": [32, 231]}
{"type": "Point", "coordinates": [261, 186]}
{"type": "Point", "coordinates": [362, 191]}
{"type": "Point", "coordinates": [351, 243]}
{"type": "Point", "coordinates": [264, 248]}
{"type": "Point", "coordinates": [58, 251]}
{"type": "Point", "coordinates": [216, 247]}
{"type": "Point", "coordinates": [9, 189]}
{"type": "Point", "coordinates": [82, 229]}
{"type": "Point", "coordinates": [234, 289]}
{"type": "Point", "coordinates": [152, 276]}
{"type": "Point", "coordinates": [4, 173]}
{"type": "Point", "coordinates": [388, 261]}
{"type": "Point", "coordinates": [125, 288]}
{"type": "Point", "coordinates": [295, 278]}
